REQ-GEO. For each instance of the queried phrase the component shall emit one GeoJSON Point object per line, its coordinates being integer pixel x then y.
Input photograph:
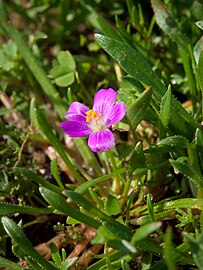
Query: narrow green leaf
{"type": "Point", "coordinates": [144, 231]}
{"type": "Point", "coordinates": [187, 171]}
{"type": "Point", "coordinates": [58, 202]}
{"type": "Point", "coordinates": [138, 107]}
{"type": "Point", "coordinates": [5, 111]}
{"type": "Point", "coordinates": [125, 265]}
{"type": "Point", "coordinates": [33, 264]}
{"type": "Point", "coordinates": [116, 255]}
{"type": "Point", "coordinates": [55, 172]}
{"type": "Point", "coordinates": [7, 209]}
{"type": "Point", "coordinates": [180, 203]}
{"type": "Point", "coordinates": [55, 254]}
{"type": "Point", "coordinates": [200, 69]}
{"type": "Point", "coordinates": [21, 240]}
{"type": "Point", "coordinates": [197, 249]}
{"type": "Point", "coordinates": [200, 24]}
{"type": "Point", "coordinates": [175, 141]}
{"type": "Point", "coordinates": [18, 252]}
{"type": "Point", "coordinates": [122, 245]}
{"type": "Point", "coordinates": [199, 145]}
{"type": "Point", "coordinates": [83, 187]}
{"type": "Point", "coordinates": [88, 156]}
{"type": "Point", "coordinates": [10, 265]}
{"type": "Point", "coordinates": [87, 205]}
{"type": "Point", "coordinates": [38, 179]}
{"type": "Point", "coordinates": [53, 139]}
{"type": "Point", "coordinates": [135, 83]}
{"type": "Point", "coordinates": [118, 230]}
{"type": "Point", "coordinates": [36, 69]}
{"type": "Point", "coordinates": [137, 159]}
{"type": "Point", "coordinates": [165, 110]}
{"type": "Point", "coordinates": [168, 25]}
{"type": "Point", "coordinates": [168, 247]}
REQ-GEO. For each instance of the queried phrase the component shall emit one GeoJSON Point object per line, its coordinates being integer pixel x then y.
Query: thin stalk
{"type": "Point", "coordinates": [116, 187]}
{"type": "Point", "coordinates": [126, 190]}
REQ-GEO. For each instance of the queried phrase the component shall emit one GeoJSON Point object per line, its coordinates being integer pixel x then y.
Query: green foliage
{"type": "Point", "coordinates": [133, 206]}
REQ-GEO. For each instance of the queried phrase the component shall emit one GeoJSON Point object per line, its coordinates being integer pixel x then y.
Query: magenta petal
{"type": "Point", "coordinates": [101, 140]}
{"type": "Point", "coordinates": [117, 113]}
{"type": "Point", "coordinates": [104, 101]}
{"type": "Point", "coordinates": [75, 129]}
{"type": "Point", "coordinates": [77, 112]}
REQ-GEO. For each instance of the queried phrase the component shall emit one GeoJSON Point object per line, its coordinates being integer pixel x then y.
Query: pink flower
{"type": "Point", "coordinates": [95, 123]}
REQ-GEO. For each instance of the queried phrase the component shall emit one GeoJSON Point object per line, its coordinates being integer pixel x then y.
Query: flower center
{"type": "Point", "coordinates": [95, 121]}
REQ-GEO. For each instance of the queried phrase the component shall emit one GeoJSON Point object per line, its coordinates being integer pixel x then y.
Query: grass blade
{"type": "Point", "coordinates": [21, 240]}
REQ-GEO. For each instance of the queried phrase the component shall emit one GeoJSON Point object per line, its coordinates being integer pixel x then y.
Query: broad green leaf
{"type": "Point", "coordinates": [132, 62]}
{"type": "Point", "coordinates": [63, 71]}
{"type": "Point", "coordinates": [65, 80]}
{"type": "Point", "coordinates": [167, 23]}
{"type": "Point", "coordinates": [138, 107]}
{"type": "Point", "coordinates": [21, 240]}
{"type": "Point", "coordinates": [58, 202]}
{"type": "Point", "coordinates": [7, 209]}
{"type": "Point", "coordinates": [181, 122]}
{"type": "Point", "coordinates": [66, 59]}
{"type": "Point", "coordinates": [112, 205]}
{"type": "Point", "coordinates": [187, 171]}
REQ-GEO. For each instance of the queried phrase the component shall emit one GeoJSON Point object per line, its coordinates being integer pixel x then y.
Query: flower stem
{"type": "Point", "coordinates": [126, 190]}
{"type": "Point", "coordinates": [116, 186]}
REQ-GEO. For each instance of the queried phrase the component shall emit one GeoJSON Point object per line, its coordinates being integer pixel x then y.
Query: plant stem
{"type": "Point", "coordinates": [116, 186]}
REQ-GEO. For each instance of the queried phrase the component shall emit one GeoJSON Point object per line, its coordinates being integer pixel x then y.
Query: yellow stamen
{"type": "Point", "coordinates": [89, 112]}
{"type": "Point", "coordinates": [92, 115]}
{"type": "Point", "coordinates": [88, 118]}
